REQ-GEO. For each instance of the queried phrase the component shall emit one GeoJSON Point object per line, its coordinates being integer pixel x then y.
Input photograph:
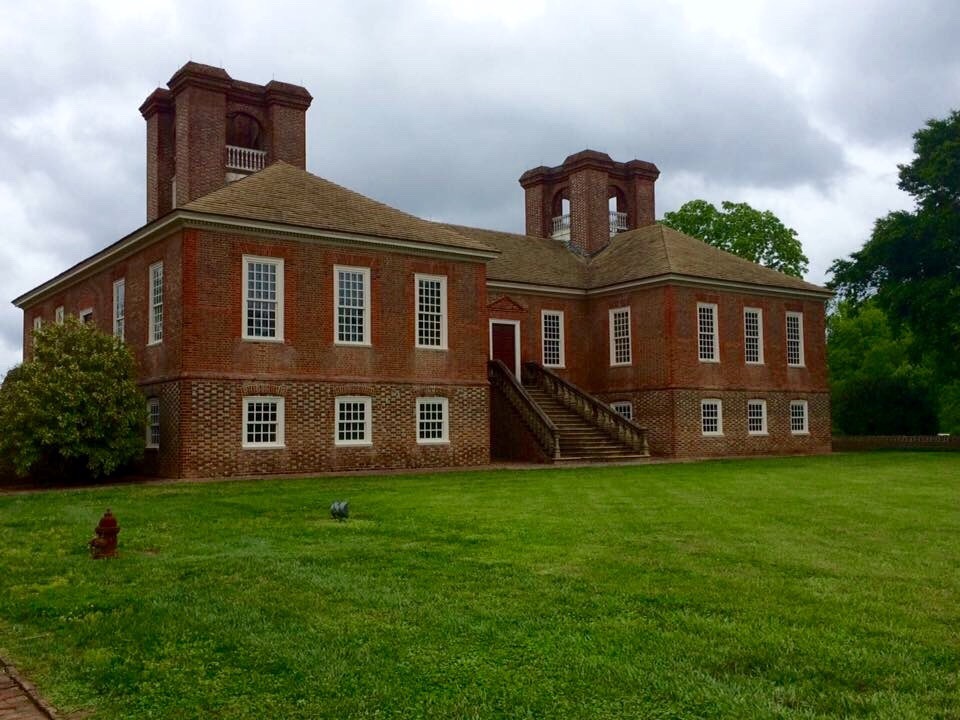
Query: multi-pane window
{"type": "Point", "coordinates": [620, 353]}
{"type": "Point", "coordinates": [711, 417]}
{"type": "Point", "coordinates": [353, 424]}
{"type": "Point", "coordinates": [263, 421]}
{"type": "Point", "coordinates": [262, 298]}
{"type": "Point", "coordinates": [58, 315]}
{"type": "Point", "coordinates": [552, 326]}
{"type": "Point", "coordinates": [757, 417]}
{"type": "Point", "coordinates": [37, 322]}
{"type": "Point", "coordinates": [707, 332]}
{"type": "Point", "coordinates": [352, 298]}
{"type": "Point", "coordinates": [798, 417]}
{"type": "Point", "coordinates": [753, 335]}
{"type": "Point", "coordinates": [624, 408]}
{"type": "Point", "coordinates": [432, 421]}
{"type": "Point", "coordinates": [431, 311]}
{"type": "Point", "coordinates": [119, 293]}
{"type": "Point", "coordinates": [155, 331]}
{"type": "Point", "coordinates": [153, 422]}
{"type": "Point", "coordinates": [795, 339]}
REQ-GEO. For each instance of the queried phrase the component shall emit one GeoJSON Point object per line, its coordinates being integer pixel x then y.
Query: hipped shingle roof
{"type": "Point", "coordinates": [644, 253]}
{"type": "Point", "coordinates": [282, 193]}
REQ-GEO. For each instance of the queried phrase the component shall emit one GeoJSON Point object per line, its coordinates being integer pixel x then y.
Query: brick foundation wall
{"type": "Point", "coordinates": [672, 418]}
{"type": "Point", "coordinates": [212, 424]}
{"type": "Point", "coordinates": [165, 460]}
{"type": "Point", "coordinates": [858, 443]}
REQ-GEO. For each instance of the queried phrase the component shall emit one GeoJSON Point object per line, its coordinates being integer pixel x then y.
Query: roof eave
{"type": "Point", "coordinates": [181, 218]}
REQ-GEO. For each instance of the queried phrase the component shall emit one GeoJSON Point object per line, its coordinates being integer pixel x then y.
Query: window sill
{"type": "Point", "coordinates": [433, 442]}
{"type": "Point", "coordinates": [758, 434]}
{"type": "Point", "coordinates": [352, 444]}
{"type": "Point", "coordinates": [275, 341]}
{"type": "Point", "coordinates": [799, 432]}
{"type": "Point", "coordinates": [273, 446]}
{"type": "Point", "coordinates": [712, 434]}
{"type": "Point", "coordinates": [621, 364]}
{"type": "Point", "coordinates": [759, 363]}
{"type": "Point", "coordinates": [152, 447]}
{"type": "Point", "coordinates": [435, 348]}
{"type": "Point", "coordinates": [798, 367]}
{"type": "Point", "coordinates": [155, 343]}
{"type": "Point", "coordinates": [560, 367]}
{"type": "Point", "coordinates": [714, 362]}
{"type": "Point", "coordinates": [344, 343]}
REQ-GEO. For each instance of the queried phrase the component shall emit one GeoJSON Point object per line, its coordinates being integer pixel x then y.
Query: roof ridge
{"type": "Point", "coordinates": [666, 245]}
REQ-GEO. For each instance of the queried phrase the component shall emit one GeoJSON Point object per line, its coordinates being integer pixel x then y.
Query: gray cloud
{"type": "Point", "coordinates": [438, 110]}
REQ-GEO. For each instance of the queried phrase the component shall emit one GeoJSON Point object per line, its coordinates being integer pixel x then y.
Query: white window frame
{"type": "Point", "coordinates": [800, 349]}
{"type": "Point", "coordinates": [806, 417]}
{"type": "Point", "coordinates": [119, 308]}
{"type": "Point", "coordinates": [719, 403]}
{"type": "Point", "coordinates": [281, 421]}
{"type": "Point", "coordinates": [620, 405]}
{"type": "Point", "coordinates": [561, 353]}
{"type": "Point", "coordinates": [37, 322]}
{"type": "Point", "coordinates": [58, 315]}
{"type": "Point", "coordinates": [277, 337]}
{"type": "Point", "coordinates": [367, 302]}
{"type": "Point", "coordinates": [153, 402]}
{"type": "Point", "coordinates": [712, 307]}
{"type": "Point", "coordinates": [613, 346]}
{"type": "Point", "coordinates": [155, 329]}
{"type": "Point", "coordinates": [445, 421]}
{"type": "Point", "coordinates": [759, 312]}
{"type": "Point", "coordinates": [84, 314]}
{"type": "Point", "coordinates": [763, 416]}
{"type": "Point", "coordinates": [418, 278]}
{"type": "Point", "coordinates": [367, 402]}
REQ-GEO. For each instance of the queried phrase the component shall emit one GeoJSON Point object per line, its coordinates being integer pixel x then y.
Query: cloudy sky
{"type": "Point", "coordinates": [437, 107]}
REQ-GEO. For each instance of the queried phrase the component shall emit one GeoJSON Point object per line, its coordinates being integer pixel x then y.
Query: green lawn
{"type": "Point", "coordinates": [784, 588]}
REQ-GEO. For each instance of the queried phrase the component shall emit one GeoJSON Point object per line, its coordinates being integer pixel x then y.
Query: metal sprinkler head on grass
{"type": "Point", "coordinates": [340, 510]}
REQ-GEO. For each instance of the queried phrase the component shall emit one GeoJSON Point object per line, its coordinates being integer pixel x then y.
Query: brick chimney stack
{"type": "Point", "coordinates": [207, 129]}
{"type": "Point", "coordinates": [588, 199]}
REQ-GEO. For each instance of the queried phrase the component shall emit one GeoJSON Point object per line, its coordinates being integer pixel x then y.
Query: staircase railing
{"type": "Point", "coordinates": [602, 415]}
{"type": "Point", "coordinates": [540, 425]}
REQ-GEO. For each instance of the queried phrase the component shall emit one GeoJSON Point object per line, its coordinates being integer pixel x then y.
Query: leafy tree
{"type": "Point", "coordinates": [911, 264]}
{"type": "Point", "coordinates": [74, 407]}
{"type": "Point", "coordinates": [875, 387]}
{"type": "Point", "coordinates": [753, 234]}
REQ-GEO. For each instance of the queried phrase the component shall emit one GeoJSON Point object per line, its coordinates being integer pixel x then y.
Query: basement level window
{"type": "Point", "coordinates": [263, 422]}
{"type": "Point", "coordinates": [623, 408]}
{"type": "Point", "coordinates": [711, 417]}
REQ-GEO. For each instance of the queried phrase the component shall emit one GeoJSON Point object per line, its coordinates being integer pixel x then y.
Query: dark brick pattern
{"type": "Point", "coordinates": [212, 428]}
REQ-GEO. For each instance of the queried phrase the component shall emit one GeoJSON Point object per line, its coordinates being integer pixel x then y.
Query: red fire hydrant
{"type": "Point", "coordinates": [105, 543]}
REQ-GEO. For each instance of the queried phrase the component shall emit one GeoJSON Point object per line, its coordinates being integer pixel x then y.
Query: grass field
{"type": "Point", "coordinates": [783, 588]}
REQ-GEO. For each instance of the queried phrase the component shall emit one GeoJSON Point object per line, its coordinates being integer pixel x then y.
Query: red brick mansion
{"type": "Point", "coordinates": [282, 323]}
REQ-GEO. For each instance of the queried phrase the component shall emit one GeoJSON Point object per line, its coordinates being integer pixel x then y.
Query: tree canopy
{"type": "Point", "coordinates": [756, 235]}
{"type": "Point", "coordinates": [911, 263]}
{"type": "Point", "coordinates": [876, 389]}
{"type": "Point", "coordinates": [74, 407]}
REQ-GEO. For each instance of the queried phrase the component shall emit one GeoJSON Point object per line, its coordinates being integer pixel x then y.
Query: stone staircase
{"type": "Point", "coordinates": [580, 440]}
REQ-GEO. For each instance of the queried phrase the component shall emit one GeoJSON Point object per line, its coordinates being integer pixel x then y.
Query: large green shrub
{"type": "Point", "coordinates": [74, 408]}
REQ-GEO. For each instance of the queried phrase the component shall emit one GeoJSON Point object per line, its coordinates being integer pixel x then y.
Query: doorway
{"type": "Point", "coordinates": [505, 343]}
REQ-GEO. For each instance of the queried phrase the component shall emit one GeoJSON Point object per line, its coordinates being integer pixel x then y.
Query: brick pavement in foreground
{"type": "Point", "coordinates": [19, 699]}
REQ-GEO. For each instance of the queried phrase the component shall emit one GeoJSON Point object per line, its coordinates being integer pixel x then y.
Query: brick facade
{"type": "Point", "coordinates": [205, 367]}
{"type": "Point", "coordinates": [666, 380]}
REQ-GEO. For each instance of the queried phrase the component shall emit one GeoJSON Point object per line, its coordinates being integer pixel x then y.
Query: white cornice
{"type": "Point", "coordinates": [179, 219]}
{"type": "Point", "coordinates": [670, 278]}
